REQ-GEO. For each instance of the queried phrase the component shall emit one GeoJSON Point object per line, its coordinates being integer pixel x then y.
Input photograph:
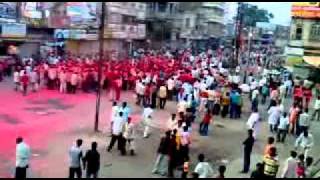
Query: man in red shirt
{"type": "Point", "coordinates": [204, 125]}
{"type": "Point", "coordinates": [25, 82]}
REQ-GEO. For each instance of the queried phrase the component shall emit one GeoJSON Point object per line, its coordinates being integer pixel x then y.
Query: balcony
{"type": "Point", "coordinates": [215, 19]}
{"type": "Point", "coordinates": [219, 5]}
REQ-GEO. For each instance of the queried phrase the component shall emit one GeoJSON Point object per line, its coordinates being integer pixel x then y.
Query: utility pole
{"type": "Point", "coordinates": [239, 20]}
{"type": "Point", "coordinates": [100, 63]}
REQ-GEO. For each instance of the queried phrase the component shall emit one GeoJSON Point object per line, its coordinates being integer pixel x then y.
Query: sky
{"type": "Point", "coordinates": [280, 10]}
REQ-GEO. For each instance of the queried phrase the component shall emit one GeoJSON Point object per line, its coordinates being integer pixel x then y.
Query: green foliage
{"type": "Point", "coordinates": [252, 14]}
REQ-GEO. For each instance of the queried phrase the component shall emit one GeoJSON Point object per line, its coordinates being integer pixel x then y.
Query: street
{"type": "Point", "coordinates": [50, 122]}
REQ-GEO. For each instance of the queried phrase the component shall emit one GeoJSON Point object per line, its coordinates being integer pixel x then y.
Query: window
{"type": "Point", "coordinates": [162, 6]}
{"type": "Point", "coordinates": [188, 23]}
{"type": "Point", "coordinates": [315, 32]}
{"type": "Point", "coordinates": [171, 8]}
{"type": "Point", "coordinates": [298, 32]}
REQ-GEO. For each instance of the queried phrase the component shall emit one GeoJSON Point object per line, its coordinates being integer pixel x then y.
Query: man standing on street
{"type": "Point", "coordinates": [75, 155]}
{"type": "Point", "coordinates": [290, 166]}
{"type": "Point", "coordinates": [91, 161]}
{"type": "Point", "coordinates": [117, 130]}
{"type": "Point", "coordinates": [248, 144]}
{"type": "Point", "coordinates": [22, 158]}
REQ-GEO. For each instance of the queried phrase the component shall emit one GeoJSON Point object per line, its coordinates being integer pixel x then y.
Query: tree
{"type": "Point", "coordinates": [252, 14]}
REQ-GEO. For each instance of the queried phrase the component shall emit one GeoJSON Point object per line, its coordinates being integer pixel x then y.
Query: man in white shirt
{"type": "Point", "coordinates": [117, 130]}
{"type": "Point", "coordinates": [316, 109]}
{"type": "Point", "coordinates": [252, 122]}
{"type": "Point", "coordinates": [305, 141]}
{"type": "Point", "coordinates": [172, 123]}
{"type": "Point", "coordinates": [34, 80]}
{"type": "Point", "coordinates": [290, 166]}
{"type": "Point", "coordinates": [170, 85]}
{"type": "Point", "coordinates": [283, 127]}
{"type": "Point", "coordinates": [23, 154]}
{"type": "Point", "coordinates": [304, 121]}
{"type": "Point", "coordinates": [16, 79]}
{"type": "Point", "coordinates": [140, 88]}
{"type": "Point", "coordinates": [75, 157]}
{"type": "Point", "coordinates": [203, 169]}
{"type": "Point", "coordinates": [63, 81]}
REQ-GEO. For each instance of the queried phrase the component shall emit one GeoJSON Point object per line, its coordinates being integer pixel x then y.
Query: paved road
{"type": "Point", "coordinates": [50, 122]}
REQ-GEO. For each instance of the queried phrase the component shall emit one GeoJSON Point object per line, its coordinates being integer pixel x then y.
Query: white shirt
{"type": "Point", "coordinates": [170, 84]}
{"type": "Point", "coordinates": [255, 93]}
{"type": "Point", "coordinates": [140, 89]}
{"type": "Point", "coordinates": [117, 125]}
{"type": "Point", "coordinates": [75, 155]}
{"type": "Point", "coordinates": [289, 169]}
{"type": "Point", "coordinates": [147, 112]}
{"type": "Point", "coordinates": [74, 79]}
{"type": "Point", "coordinates": [317, 104]}
{"type": "Point", "coordinates": [204, 170]}
{"type": "Point", "coordinates": [253, 119]}
{"type": "Point", "coordinates": [114, 111]}
{"type": "Point", "coordinates": [182, 106]}
{"type": "Point", "coordinates": [33, 77]}
{"type": "Point", "coordinates": [16, 76]}
{"type": "Point", "coordinates": [274, 115]}
{"type": "Point", "coordinates": [284, 122]}
{"type": "Point", "coordinates": [304, 119]}
{"type": "Point", "coordinates": [172, 124]}
{"type": "Point", "coordinates": [22, 155]}
{"type": "Point", "coordinates": [304, 141]}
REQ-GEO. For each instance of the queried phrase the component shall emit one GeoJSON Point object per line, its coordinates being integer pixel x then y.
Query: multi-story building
{"type": "Point", "coordinates": [304, 31]}
{"type": "Point", "coordinates": [186, 23]}
{"type": "Point", "coordinates": [71, 26]}
{"type": "Point", "coordinates": [209, 22]}
{"type": "Point", "coordinates": [163, 23]}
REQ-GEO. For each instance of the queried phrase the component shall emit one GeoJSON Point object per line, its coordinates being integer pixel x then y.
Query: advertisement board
{"type": "Point", "coordinates": [305, 9]}
{"type": "Point", "coordinates": [8, 10]}
{"type": "Point", "coordinates": [82, 13]}
{"type": "Point", "coordinates": [13, 30]}
{"type": "Point", "coordinates": [125, 31]}
{"type": "Point", "coordinates": [31, 10]}
{"type": "Point", "coordinates": [75, 34]}
{"type": "Point", "coordinates": [58, 21]}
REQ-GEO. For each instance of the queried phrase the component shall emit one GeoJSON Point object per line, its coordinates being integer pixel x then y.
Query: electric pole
{"type": "Point", "coordinates": [100, 64]}
{"type": "Point", "coordinates": [239, 20]}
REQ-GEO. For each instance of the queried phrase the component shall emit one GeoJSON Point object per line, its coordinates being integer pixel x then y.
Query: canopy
{"type": "Point", "coordinates": [312, 60]}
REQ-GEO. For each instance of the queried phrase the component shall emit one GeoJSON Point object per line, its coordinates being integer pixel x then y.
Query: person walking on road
{"type": "Point", "coordinates": [271, 164]}
{"type": "Point", "coordinates": [129, 135]}
{"type": "Point", "coordinates": [25, 83]}
{"type": "Point", "coordinates": [91, 161]}
{"type": "Point", "coordinates": [23, 154]}
{"type": "Point", "coordinates": [316, 110]}
{"type": "Point", "coordinates": [161, 164]}
{"type": "Point", "coordinates": [248, 145]}
{"type": "Point", "coordinates": [75, 157]}
{"type": "Point", "coordinates": [117, 131]}
{"type": "Point", "coordinates": [290, 166]}
{"type": "Point", "coordinates": [305, 141]}
{"type": "Point", "coordinates": [203, 169]}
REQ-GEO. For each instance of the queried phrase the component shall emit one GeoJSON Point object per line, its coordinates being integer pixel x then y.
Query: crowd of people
{"type": "Point", "coordinates": [203, 88]}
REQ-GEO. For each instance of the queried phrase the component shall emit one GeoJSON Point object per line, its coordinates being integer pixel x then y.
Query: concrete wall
{"type": "Point", "coordinates": [27, 49]}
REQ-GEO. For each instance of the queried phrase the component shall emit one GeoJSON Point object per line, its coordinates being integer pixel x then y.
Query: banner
{"type": "Point", "coordinates": [13, 30]}
{"type": "Point", "coordinates": [82, 13]}
{"type": "Point", "coordinates": [31, 10]}
{"type": "Point", "coordinates": [121, 31]}
{"type": "Point", "coordinates": [306, 4]}
{"type": "Point", "coordinates": [305, 9]}
{"type": "Point", "coordinates": [8, 10]}
{"type": "Point", "coordinates": [58, 21]}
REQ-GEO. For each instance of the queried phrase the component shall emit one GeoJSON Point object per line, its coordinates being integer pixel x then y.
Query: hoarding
{"type": "Point", "coordinates": [125, 31]}
{"type": "Point", "coordinates": [75, 34]}
{"type": "Point", "coordinates": [13, 30]}
{"type": "Point", "coordinates": [8, 10]}
{"type": "Point", "coordinates": [31, 10]}
{"type": "Point", "coordinates": [82, 13]}
{"type": "Point", "coordinates": [305, 9]}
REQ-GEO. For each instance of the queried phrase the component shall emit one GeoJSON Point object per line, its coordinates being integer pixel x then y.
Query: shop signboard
{"type": "Point", "coordinates": [8, 10]}
{"type": "Point", "coordinates": [61, 34]}
{"type": "Point", "coordinates": [82, 13]}
{"type": "Point", "coordinates": [305, 9]}
{"type": "Point", "coordinates": [13, 30]}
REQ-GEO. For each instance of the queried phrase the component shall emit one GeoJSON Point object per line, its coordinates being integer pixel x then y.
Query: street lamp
{"type": "Point", "coordinates": [101, 48]}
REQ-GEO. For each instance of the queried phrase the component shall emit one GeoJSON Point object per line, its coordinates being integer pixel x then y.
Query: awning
{"type": "Point", "coordinates": [312, 60]}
